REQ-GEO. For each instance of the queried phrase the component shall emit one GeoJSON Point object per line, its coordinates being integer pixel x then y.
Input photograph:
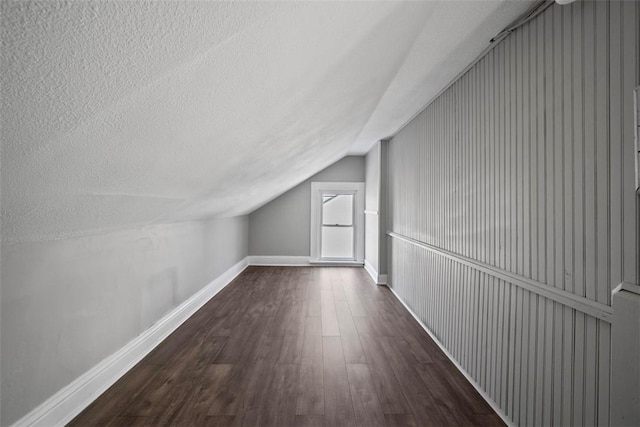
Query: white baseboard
{"type": "Point", "coordinates": [67, 403]}
{"type": "Point", "coordinates": [372, 271]}
{"type": "Point", "coordinates": [297, 261]}
{"type": "Point", "coordinates": [279, 260]}
{"type": "Point", "coordinates": [469, 378]}
{"type": "Point", "coordinates": [379, 279]}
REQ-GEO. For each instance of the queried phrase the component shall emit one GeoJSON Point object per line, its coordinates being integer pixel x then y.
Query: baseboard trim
{"type": "Point", "coordinates": [379, 279]}
{"type": "Point", "coordinates": [322, 263]}
{"type": "Point", "coordinates": [469, 378]}
{"type": "Point", "coordinates": [279, 260]}
{"type": "Point", "coordinates": [67, 403]}
{"type": "Point", "coordinates": [372, 271]}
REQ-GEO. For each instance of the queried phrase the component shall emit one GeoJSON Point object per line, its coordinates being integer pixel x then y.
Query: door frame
{"type": "Point", "coordinates": [317, 190]}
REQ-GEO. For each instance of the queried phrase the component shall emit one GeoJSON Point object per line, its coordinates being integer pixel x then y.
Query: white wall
{"type": "Point", "coordinates": [282, 226]}
{"type": "Point", "coordinates": [68, 304]}
{"type": "Point", "coordinates": [376, 209]}
{"type": "Point", "coordinates": [513, 213]}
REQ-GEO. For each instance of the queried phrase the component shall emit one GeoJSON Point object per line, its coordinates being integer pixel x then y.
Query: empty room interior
{"type": "Point", "coordinates": [320, 213]}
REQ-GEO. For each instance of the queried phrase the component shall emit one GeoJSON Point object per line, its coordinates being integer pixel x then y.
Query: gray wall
{"type": "Point", "coordinates": [282, 226]}
{"type": "Point", "coordinates": [68, 304]}
{"type": "Point", "coordinates": [383, 225]}
{"type": "Point", "coordinates": [514, 215]}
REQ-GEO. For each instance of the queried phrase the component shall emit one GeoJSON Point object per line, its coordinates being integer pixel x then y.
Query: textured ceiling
{"type": "Point", "coordinates": [124, 114]}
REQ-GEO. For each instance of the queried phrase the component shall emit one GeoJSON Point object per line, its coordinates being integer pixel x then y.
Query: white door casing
{"type": "Point", "coordinates": [318, 189]}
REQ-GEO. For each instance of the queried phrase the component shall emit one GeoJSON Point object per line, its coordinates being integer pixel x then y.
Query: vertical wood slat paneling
{"type": "Point", "coordinates": [520, 165]}
{"type": "Point", "coordinates": [516, 361]}
{"type": "Point", "coordinates": [558, 211]}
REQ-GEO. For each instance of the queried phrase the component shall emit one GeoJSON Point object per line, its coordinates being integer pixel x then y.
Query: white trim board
{"type": "Point", "coordinates": [590, 307]}
{"type": "Point", "coordinates": [277, 260]}
{"type": "Point", "coordinates": [67, 403]}
{"type": "Point", "coordinates": [379, 279]}
{"type": "Point", "coordinates": [475, 385]}
{"type": "Point", "coordinates": [336, 263]}
{"type": "Point", "coordinates": [297, 261]}
{"type": "Point", "coordinates": [626, 286]}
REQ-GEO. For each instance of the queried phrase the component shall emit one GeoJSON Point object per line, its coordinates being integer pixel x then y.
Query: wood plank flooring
{"type": "Point", "coordinates": [294, 346]}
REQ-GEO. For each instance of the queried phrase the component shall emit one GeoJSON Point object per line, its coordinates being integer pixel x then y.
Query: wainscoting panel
{"type": "Point", "coordinates": [539, 360]}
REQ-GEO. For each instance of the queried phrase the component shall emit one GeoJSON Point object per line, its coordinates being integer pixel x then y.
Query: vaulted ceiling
{"type": "Point", "coordinates": [121, 114]}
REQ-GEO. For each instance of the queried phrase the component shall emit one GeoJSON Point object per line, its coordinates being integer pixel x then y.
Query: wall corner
{"type": "Point", "coordinates": [625, 355]}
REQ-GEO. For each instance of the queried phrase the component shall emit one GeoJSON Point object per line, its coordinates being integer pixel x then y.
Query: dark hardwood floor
{"type": "Point", "coordinates": [304, 346]}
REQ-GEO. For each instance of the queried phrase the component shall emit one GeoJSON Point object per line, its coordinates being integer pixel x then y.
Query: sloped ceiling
{"type": "Point", "coordinates": [121, 114]}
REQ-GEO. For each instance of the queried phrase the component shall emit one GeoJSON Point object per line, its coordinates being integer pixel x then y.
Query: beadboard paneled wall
{"type": "Point", "coordinates": [512, 211]}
